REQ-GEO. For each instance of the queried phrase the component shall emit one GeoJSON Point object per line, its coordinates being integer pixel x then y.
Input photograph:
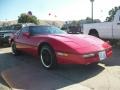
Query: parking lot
{"type": "Point", "coordinates": [26, 73]}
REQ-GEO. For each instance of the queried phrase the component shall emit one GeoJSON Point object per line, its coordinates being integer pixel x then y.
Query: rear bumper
{"type": "Point", "coordinates": [78, 59]}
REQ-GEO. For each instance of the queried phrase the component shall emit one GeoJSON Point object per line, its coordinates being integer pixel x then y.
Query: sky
{"type": "Point", "coordinates": [63, 9]}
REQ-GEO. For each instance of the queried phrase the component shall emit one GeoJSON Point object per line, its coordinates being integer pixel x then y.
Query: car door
{"type": "Point", "coordinates": [27, 43]}
{"type": "Point", "coordinates": [22, 40]}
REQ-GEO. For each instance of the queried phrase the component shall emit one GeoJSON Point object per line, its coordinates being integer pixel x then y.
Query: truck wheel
{"type": "Point", "coordinates": [14, 49]}
{"type": "Point", "coordinates": [48, 57]}
{"type": "Point", "coordinates": [94, 33]}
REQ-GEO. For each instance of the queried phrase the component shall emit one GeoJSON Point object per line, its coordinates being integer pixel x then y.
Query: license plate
{"type": "Point", "coordinates": [102, 55]}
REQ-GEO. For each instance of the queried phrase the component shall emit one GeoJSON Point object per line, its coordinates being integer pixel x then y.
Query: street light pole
{"type": "Point", "coordinates": [92, 9]}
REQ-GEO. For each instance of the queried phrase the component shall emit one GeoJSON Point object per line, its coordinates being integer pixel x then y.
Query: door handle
{"type": "Point", "coordinates": [118, 23]}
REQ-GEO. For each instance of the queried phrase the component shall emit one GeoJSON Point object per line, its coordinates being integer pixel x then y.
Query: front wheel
{"type": "Point", "coordinates": [14, 49]}
{"type": "Point", "coordinates": [48, 57]}
{"type": "Point", "coordinates": [1, 43]}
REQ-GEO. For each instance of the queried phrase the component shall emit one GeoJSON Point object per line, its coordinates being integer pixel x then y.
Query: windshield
{"type": "Point", "coordinates": [45, 30]}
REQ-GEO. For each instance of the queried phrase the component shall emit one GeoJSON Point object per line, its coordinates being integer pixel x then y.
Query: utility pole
{"type": "Point", "coordinates": [92, 9]}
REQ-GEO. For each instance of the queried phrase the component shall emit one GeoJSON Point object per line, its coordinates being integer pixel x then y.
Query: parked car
{"type": "Point", "coordinates": [74, 30]}
{"type": "Point", "coordinates": [54, 46]}
{"type": "Point", "coordinates": [7, 31]}
{"type": "Point", "coordinates": [105, 30]}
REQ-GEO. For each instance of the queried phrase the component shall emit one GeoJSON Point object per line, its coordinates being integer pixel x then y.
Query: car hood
{"type": "Point", "coordinates": [82, 42]}
{"type": "Point", "coordinates": [79, 40]}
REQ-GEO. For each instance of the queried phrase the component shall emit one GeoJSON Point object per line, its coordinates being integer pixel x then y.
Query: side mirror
{"type": "Point", "coordinates": [26, 34]}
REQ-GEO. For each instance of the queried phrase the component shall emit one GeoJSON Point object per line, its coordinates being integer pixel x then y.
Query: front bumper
{"type": "Point", "coordinates": [78, 59]}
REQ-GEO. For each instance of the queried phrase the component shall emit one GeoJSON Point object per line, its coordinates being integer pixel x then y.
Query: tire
{"type": "Point", "coordinates": [48, 57]}
{"type": "Point", "coordinates": [94, 33]}
{"type": "Point", "coordinates": [14, 49]}
{"type": "Point", "coordinates": [1, 43]}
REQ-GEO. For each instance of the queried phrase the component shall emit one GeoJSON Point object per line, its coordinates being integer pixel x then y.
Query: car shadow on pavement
{"type": "Point", "coordinates": [27, 73]}
{"type": "Point", "coordinates": [115, 59]}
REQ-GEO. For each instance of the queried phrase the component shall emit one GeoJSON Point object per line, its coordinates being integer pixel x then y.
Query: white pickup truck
{"type": "Point", "coordinates": [106, 30]}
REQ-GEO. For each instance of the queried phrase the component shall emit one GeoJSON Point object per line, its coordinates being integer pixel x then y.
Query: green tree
{"type": "Point", "coordinates": [112, 12]}
{"type": "Point", "coordinates": [89, 20]}
{"type": "Point", "coordinates": [25, 18]}
{"type": "Point", "coordinates": [74, 23]}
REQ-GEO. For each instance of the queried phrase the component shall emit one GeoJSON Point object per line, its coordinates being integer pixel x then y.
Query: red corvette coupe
{"type": "Point", "coordinates": [55, 46]}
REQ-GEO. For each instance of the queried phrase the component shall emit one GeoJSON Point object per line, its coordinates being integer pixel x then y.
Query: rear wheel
{"type": "Point", "coordinates": [1, 43]}
{"type": "Point", "coordinates": [14, 49]}
{"type": "Point", "coordinates": [94, 33]}
{"type": "Point", "coordinates": [48, 57]}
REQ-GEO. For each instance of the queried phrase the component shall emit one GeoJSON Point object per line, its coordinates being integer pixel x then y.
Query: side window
{"type": "Point", "coordinates": [119, 18]}
{"type": "Point", "coordinates": [18, 32]}
{"type": "Point", "coordinates": [25, 29]}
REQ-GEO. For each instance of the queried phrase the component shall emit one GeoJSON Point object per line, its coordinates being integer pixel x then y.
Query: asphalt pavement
{"type": "Point", "coordinates": [104, 76]}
